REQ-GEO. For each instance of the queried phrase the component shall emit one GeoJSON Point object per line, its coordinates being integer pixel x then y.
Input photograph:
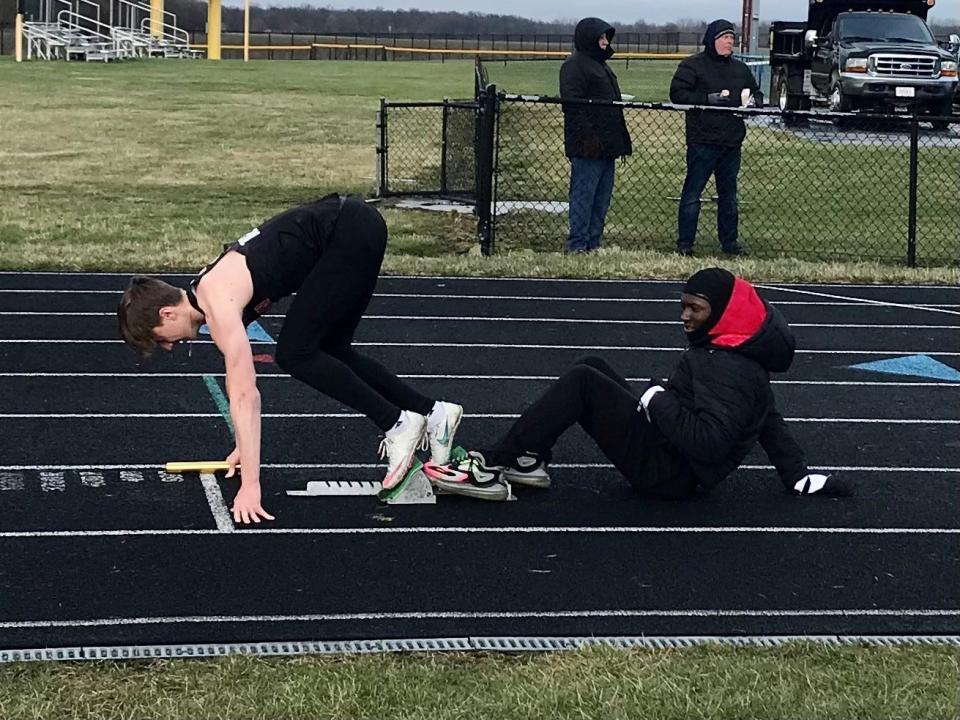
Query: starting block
{"type": "Point", "coordinates": [414, 489]}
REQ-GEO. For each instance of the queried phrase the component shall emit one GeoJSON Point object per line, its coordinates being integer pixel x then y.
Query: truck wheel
{"type": "Point", "coordinates": [838, 101]}
{"type": "Point", "coordinates": [944, 109]}
{"type": "Point", "coordinates": [783, 97]}
{"type": "Point", "coordinates": [786, 101]}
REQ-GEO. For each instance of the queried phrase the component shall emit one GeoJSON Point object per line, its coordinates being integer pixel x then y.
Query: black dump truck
{"type": "Point", "coordinates": [876, 55]}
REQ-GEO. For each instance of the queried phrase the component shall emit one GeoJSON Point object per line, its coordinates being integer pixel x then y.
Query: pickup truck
{"type": "Point", "coordinates": [877, 55]}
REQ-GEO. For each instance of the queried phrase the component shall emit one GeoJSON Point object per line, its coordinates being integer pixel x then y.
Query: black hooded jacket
{"type": "Point", "coordinates": [592, 132]}
{"type": "Point", "coordinates": [704, 73]}
{"type": "Point", "coordinates": [719, 403]}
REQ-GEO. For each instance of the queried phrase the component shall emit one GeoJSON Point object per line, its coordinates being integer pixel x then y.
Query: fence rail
{"type": "Point", "coordinates": [811, 185]}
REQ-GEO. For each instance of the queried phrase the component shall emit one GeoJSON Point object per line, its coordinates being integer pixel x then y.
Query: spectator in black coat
{"type": "Point", "coordinates": [713, 77]}
{"type": "Point", "coordinates": [679, 436]}
{"type": "Point", "coordinates": [594, 136]}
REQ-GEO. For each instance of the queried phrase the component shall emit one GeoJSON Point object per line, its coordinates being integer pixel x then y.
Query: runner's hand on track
{"type": "Point", "coordinates": [246, 506]}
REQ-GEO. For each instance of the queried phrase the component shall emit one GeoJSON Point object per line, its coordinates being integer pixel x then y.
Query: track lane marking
{"type": "Point", "coordinates": [491, 615]}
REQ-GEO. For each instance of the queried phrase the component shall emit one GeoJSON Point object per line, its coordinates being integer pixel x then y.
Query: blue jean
{"type": "Point", "coordinates": [702, 162]}
{"type": "Point", "coordinates": [591, 187]}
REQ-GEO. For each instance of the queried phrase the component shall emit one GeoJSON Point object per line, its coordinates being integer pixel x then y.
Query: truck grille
{"type": "Point", "coordinates": [904, 66]}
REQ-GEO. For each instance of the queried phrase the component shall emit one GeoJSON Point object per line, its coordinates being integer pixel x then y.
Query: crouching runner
{"type": "Point", "coordinates": [681, 436]}
{"type": "Point", "coordinates": [329, 253]}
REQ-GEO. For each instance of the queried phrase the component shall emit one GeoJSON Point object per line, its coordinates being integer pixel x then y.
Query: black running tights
{"type": "Point", "coordinates": [315, 343]}
{"type": "Point", "coordinates": [594, 395]}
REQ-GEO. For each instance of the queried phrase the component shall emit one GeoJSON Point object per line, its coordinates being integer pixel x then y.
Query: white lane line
{"type": "Point", "coordinates": [217, 506]}
{"type": "Point", "coordinates": [542, 320]}
{"type": "Point", "coordinates": [440, 376]}
{"type": "Point", "coordinates": [92, 479]}
{"type": "Point", "coordinates": [503, 346]}
{"type": "Point", "coordinates": [11, 481]}
{"type": "Point", "coordinates": [494, 615]}
{"type": "Point", "coordinates": [512, 298]}
{"type": "Point", "coordinates": [124, 277]}
{"type": "Point", "coordinates": [558, 466]}
{"type": "Point", "coordinates": [51, 481]}
{"type": "Point", "coordinates": [477, 530]}
{"type": "Point", "coordinates": [475, 416]}
{"type": "Point", "coordinates": [865, 301]}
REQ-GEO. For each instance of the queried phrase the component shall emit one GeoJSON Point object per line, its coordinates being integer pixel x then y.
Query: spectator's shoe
{"type": "Point", "coordinates": [399, 447]}
{"type": "Point", "coordinates": [530, 469]}
{"type": "Point", "coordinates": [736, 250]}
{"type": "Point", "coordinates": [685, 251]}
{"type": "Point", "coordinates": [441, 437]}
{"type": "Point", "coordinates": [468, 476]}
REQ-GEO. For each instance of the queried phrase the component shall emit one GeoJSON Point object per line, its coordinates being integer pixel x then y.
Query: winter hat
{"type": "Point", "coordinates": [715, 285]}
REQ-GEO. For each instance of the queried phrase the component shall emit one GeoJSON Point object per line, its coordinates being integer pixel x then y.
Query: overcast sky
{"type": "Point", "coordinates": [610, 10]}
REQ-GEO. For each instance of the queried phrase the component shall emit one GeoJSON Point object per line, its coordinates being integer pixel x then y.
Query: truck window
{"type": "Point", "coordinates": [883, 28]}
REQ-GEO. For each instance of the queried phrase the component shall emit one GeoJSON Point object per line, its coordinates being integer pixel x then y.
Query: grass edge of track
{"type": "Point", "coordinates": [797, 680]}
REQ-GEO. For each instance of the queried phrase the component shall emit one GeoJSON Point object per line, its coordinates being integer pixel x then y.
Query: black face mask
{"type": "Point", "coordinates": [715, 285]}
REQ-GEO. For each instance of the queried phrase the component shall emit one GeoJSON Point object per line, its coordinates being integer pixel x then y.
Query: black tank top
{"type": "Point", "coordinates": [280, 253]}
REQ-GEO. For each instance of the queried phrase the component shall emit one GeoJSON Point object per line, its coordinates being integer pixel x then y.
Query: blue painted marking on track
{"type": "Point", "coordinates": [915, 365]}
{"type": "Point", "coordinates": [255, 332]}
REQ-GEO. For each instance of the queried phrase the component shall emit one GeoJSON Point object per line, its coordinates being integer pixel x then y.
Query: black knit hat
{"type": "Point", "coordinates": [715, 285]}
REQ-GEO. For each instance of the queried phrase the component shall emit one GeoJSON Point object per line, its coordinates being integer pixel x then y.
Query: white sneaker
{"type": "Point", "coordinates": [399, 447]}
{"type": "Point", "coordinates": [441, 437]}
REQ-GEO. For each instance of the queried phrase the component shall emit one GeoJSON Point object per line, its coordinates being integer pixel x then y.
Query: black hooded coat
{"type": "Point", "coordinates": [594, 132]}
{"type": "Point", "coordinates": [703, 74]}
{"type": "Point", "coordinates": [719, 404]}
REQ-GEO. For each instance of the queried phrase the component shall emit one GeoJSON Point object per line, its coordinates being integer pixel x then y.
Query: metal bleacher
{"type": "Point", "coordinates": [74, 30]}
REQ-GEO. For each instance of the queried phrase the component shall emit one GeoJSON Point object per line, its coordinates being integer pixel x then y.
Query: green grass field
{"type": "Point", "coordinates": [152, 166]}
{"type": "Point", "coordinates": [798, 682]}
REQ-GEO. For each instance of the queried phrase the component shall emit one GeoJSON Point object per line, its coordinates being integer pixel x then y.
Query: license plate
{"type": "Point", "coordinates": [905, 92]}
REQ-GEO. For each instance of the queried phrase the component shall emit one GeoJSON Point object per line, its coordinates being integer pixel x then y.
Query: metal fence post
{"type": "Point", "coordinates": [443, 146]}
{"type": "Point", "coordinates": [382, 180]}
{"type": "Point", "coordinates": [485, 128]}
{"type": "Point", "coordinates": [912, 213]}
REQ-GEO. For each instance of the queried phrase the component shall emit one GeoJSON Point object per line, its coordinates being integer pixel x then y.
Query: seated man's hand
{"type": "Point", "coordinates": [823, 485]}
{"type": "Point", "coordinates": [653, 387]}
{"type": "Point", "coordinates": [719, 98]}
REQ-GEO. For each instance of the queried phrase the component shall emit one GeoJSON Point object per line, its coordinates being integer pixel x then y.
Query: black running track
{"type": "Point", "coordinates": [99, 547]}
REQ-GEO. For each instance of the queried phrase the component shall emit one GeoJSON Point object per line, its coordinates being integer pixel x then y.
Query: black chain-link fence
{"type": "Point", "coordinates": [819, 187]}
{"type": "Point", "coordinates": [814, 186]}
{"type": "Point", "coordinates": [427, 149]}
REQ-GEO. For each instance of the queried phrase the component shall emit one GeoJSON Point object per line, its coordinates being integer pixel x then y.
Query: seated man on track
{"type": "Point", "coordinates": [329, 253]}
{"type": "Point", "coordinates": [680, 436]}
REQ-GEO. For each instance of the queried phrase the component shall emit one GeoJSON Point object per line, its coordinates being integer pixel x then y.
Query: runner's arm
{"type": "Point", "coordinates": [230, 336]}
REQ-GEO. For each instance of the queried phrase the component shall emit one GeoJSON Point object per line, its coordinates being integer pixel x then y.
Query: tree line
{"type": "Point", "coordinates": [192, 16]}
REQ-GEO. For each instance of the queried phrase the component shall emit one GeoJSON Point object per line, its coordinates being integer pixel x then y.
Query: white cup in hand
{"type": "Point", "coordinates": [744, 97]}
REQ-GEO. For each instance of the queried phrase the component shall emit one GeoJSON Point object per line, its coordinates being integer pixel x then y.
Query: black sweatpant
{"type": "Point", "coordinates": [315, 343]}
{"type": "Point", "coordinates": [597, 397]}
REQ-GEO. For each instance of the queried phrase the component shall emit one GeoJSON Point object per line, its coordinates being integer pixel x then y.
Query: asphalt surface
{"type": "Point", "coordinates": [100, 547]}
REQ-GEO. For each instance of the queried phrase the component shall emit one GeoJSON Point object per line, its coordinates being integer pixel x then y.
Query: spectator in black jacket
{"type": "Point", "coordinates": [594, 136]}
{"type": "Point", "coordinates": [679, 436]}
{"type": "Point", "coordinates": [713, 77]}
